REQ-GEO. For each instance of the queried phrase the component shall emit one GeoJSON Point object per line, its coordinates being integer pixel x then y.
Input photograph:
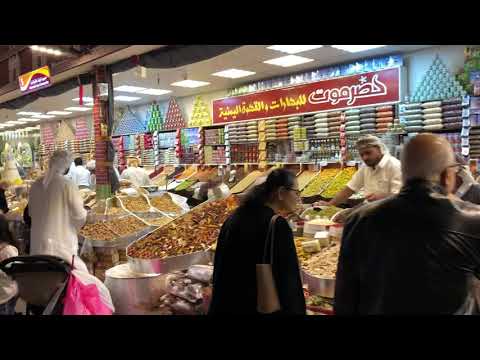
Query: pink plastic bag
{"type": "Point", "coordinates": [81, 299]}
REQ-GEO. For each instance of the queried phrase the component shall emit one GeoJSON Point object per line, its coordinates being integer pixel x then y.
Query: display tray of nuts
{"type": "Point", "coordinates": [187, 237]}
{"type": "Point", "coordinates": [137, 204]}
{"type": "Point", "coordinates": [119, 231]}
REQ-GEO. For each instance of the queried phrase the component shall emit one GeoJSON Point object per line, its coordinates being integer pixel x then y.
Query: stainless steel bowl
{"type": "Point", "coordinates": [319, 286]}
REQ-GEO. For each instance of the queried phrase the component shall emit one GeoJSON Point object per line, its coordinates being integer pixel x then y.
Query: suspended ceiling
{"type": "Point", "coordinates": [248, 57]}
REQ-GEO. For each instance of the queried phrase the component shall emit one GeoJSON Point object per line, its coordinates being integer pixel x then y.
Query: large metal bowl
{"type": "Point", "coordinates": [319, 286]}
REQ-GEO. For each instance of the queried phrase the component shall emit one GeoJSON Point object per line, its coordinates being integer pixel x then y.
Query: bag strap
{"type": "Point", "coordinates": [270, 240]}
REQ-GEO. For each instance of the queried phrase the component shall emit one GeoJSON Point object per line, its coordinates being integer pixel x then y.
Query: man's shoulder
{"type": "Point", "coordinates": [392, 161]}
{"type": "Point", "coordinates": [373, 209]}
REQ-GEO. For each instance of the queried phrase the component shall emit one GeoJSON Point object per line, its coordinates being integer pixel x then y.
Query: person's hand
{"type": "Point", "coordinates": [375, 197]}
{"type": "Point", "coordinates": [321, 203]}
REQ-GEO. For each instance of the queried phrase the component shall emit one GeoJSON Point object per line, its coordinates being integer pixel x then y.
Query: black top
{"type": "Point", "coordinates": [3, 201]}
{"type": "Point", "coordinates": [240, 247]}
{"type": "Point", "coordinates": [413, 253]}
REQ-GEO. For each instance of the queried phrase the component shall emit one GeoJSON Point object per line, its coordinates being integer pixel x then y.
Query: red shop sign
{"type": "Point", "coordinates": [372, 88]}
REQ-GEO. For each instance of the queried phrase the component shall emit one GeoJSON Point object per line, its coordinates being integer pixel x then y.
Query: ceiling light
{"type": "Point", "coordinates": [357, 48]}
{"type": "Point", "coordinates": [34, 47]}
{"type": "Point", "coordinates": [28, 113]}
{"type": "Point", "coordinates": [289, 60]}
{"type": "Point", "coordinates": [85, 99]}
{"type": "Point", "coordinates": [45, 116]}
{"type": "Point", "coordinates": [75, 108]}
{"type": "Point", "coordinates": [126, 98]}
{"type": "Point", "coordinates": [293, 49]}
{"type": "Point", "coordinates": [190, 83]}
{"type": "Point", "coordinates": [59, 113]}
{"type": "Point", "coordinates": [233, 73]}
{"type": "Point", "coordinates": [46, 50]}
{"type": "Point", "coordinates": [18, 122]}
{"type": "Point", "coordinates": [128, 88]}
{"type": "Point", "coordinates": [28, 119]}
{"type": "Point", "coordinates": [157, 92]}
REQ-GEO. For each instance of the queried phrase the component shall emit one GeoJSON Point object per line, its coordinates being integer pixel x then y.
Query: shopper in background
{"type": "Point", "coordinates": [413, 253]}
{"type": "Point", "coordinates": [80, 175]}
{"type": "Point", "coordinates": [379, 178]}
{"type": "Point", "coordinates": [8, 287]}
{"type": "Point", "coordinates": [91, 167]}
{"type": "Point", "coordinates": [136, 175]}
{"type": "Point", "coordinates": [56, 211]}
{"type": "Point", "coordinates": [241, 245]}
{"type": "Point", "coordinates": [466, 188]}
{"type": "Point", "coordinates": [3, 199]}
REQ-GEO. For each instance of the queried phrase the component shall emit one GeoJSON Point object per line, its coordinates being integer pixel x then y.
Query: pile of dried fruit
{"type": "Point", "coordinates": [339, 182]}
{"type": "Point", "coordinates": [166, 204]}
{"type": "Point", "coordinates": [324, 263]}
{"type": "Point", "coordinates": [316, 186]}
{"type": "Point", "coordinates": [195, 231]}
{"type": "Point", "coordinates": [304, 178]}
{"type": "Point", "coordinates": [135, 204]}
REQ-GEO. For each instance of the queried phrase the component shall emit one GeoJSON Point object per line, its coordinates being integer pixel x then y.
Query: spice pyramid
{"type": "Point", "coordinates": [437, 84]}
{"type": "Point", "coordinates": [129, 124]}
{"type": "Point", "coordinates": [155, 118]}
{"type": "Point", "coordinates": [200, 114]}
{"type": "Point", "coordinates": [174, 119]}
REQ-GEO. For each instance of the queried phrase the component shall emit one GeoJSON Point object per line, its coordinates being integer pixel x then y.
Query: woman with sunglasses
{"type": "Point", "coordinates": [241, 245]}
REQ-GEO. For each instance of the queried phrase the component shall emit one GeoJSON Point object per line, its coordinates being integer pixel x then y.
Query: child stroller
{"type": "Point", "coordinates": [42, 282]}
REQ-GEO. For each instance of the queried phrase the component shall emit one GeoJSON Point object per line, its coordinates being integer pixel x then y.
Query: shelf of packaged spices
{"type": "Point", "coordinates": [244, 153]}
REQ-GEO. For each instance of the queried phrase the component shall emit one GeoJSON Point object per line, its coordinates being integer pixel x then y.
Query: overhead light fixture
{"type": "Point", "coordinates": [234, 73]}
{"type": "Point", "coordinates": [356, 48]}
{"type": "Point", "coordinates": [75, 108]}
{"type": "Point", "coordinates": [45, 116]}
{"type": "Point", "coordinates": [157, 92]}
{"type": "Point", "coordinates": [289, 60]}
{"type": "Point", "coordinates": [17, 122]}
{"type": "Point", "coordinates": [47, 50]}
{"type": "Point", "coordinates": [190, 83]}
{"type": "Point", "coordinates": [129, 89]}
{"type": "Point", "coordinates": [85, 99]}
{"type": "Point", "coordinates": [123, 98]}
{"type": "Point", "coordinates": [59, 112]}
{"type": "Point", "coordinates": [293, 49]}
{"type": "Point", "coordinates": [29, 113]}
{"type": "Point", "coordinates": [28, 119]}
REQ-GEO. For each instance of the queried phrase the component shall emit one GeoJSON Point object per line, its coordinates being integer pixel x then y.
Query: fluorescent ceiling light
{"type": "Point", "coordinates": [28, 113]}
{"type": "Point", "coordinates": [289, 60]}
{"type": "Point", "coordinates": [85, 99]}
{"type": "Point", "coordinates": [190, 83]}
{"type": "Point", "coordinates": [45, 116]}
{"type": "Point", "coordinates": [126, 98]}
{"type": "Point", "coordinates": [233, 73]}
{"type": "Point", "coordinates": [293, 49]}
{"type": "Point", "coordinates": [75, 108]}
{"type": "Point", "coordinates": [59, 113]}
{"type": "Point", "coordinates": [28, 119]}
{"type": "Point", "coordinates": [357, 48]}
{"type": "Point", "coordinates": [157, 92]}
{"type": "Point", "coordinates": [130, 89]}
{"type": "Point", "coordinates": [17, 122]}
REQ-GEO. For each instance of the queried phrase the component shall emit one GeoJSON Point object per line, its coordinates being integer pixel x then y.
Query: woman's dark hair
{"type": "Point", "coordinates": [5, 234]}
{"type": "Point", "coordinates": [262, 193]}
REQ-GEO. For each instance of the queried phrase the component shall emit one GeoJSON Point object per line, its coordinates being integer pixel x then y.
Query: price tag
{"type": "Point", "coordinates": [465, 141]}
{"type": "Point", "coordinates": [466, 122]}
{"type": "Point", "coordinates": [403, 120]}
{"type": "Point", "coordinates": [323, 163]}
{"type": "Point", "coordinates": [466, 100]}
{"type": "Point", "coordinates": [465, 113]}
{"type": "Point", "coordinates": [401, 108]}
{"type": "Point", "coordinates": [465, 151]}
{"type": "Point", "coordinates": [465, 132]}
{"type": "Point", "coordinates": [351, 163]}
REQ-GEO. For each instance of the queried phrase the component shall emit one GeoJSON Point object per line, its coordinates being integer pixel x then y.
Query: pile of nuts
{"type": "Point", "coordinates": [135, 204]}
{"type": "Point", "coordinates": [113, 229]}
{"type": "Point", "coordinates": [165, 203]}
{"type": "Point", "coordinates": [195, 231]}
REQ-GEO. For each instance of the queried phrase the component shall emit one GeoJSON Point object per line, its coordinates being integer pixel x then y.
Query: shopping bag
{"type": "Point", "coordinates": [83, 299]}
{"type": "Point", "coordinates": [267, 295]}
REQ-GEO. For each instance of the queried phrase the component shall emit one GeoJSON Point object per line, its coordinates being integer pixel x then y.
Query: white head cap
{"type": "Point", "coordinates": [91, 165]}
{"type": "Point", "coordinates": [369, 141]}
{"type": "Point", "coordinates": [58, 164]}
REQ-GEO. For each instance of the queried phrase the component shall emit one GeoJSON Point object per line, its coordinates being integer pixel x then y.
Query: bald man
{"type": "Point", "coordinates": [412, 253]}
